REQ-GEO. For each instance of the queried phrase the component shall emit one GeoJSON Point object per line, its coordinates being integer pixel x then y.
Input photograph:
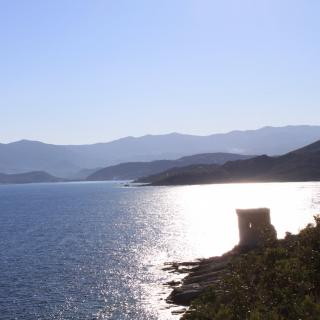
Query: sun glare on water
{"type": "Point", "coordinates": [210, 217]}
{"type": "Point", "coordinates": [201, 221]}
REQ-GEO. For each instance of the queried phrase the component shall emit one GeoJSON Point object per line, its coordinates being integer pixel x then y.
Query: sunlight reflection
{"type": "Point", "coordinates": [201, 221]}
{"type": "Point", "coordinates": [211, 221]}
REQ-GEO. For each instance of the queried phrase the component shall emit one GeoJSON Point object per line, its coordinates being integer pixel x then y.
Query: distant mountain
{"type": "Point", "coordinates": [135, 170]}
{"type": "Point", "coordinates": [312, 148]}
{"type": "Point", "coordinates": [300, 165]}
{"type": "Point", "coordinates": [69, 160]}
{"type": "Point", "coordinates": [83, 174]}
{"type": "Point", "coordinates": [28, 177]}
{"type": "Point", "coordinates": [25, 156]}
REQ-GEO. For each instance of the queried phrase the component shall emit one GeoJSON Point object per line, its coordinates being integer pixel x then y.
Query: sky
{"type": "Point", "coordinates": [74, 72]}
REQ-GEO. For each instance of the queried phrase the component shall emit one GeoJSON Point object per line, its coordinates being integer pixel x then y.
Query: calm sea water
{"type": "Point", "coordinates": [96, 250]}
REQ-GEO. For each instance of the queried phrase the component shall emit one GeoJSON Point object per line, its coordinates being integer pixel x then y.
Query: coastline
{"type": "Point", "coordinates": [199, 276]}
{"type": "Point", "coordinates": [278, 280]}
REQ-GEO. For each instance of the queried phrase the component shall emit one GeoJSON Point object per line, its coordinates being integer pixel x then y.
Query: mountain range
{"type": "Point", "coordinates": [135, 170]}
{"type": "Point", "coordinates": [69, 161]}
{"type": "Point", "coordinates": [299, 165]}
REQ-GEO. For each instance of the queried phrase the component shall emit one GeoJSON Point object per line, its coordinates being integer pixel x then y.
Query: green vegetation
{"type": "Point", "coordinates": [277, 282]}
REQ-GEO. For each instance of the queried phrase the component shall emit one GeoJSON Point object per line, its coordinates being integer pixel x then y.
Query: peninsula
{"type": "Point", "coordinates": [299, 165]}
{"type": "Point", "coordinates": [261, 278]}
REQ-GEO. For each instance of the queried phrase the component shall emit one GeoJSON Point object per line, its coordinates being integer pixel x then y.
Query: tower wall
{"type": "Point", "coordinates": [253, 225]}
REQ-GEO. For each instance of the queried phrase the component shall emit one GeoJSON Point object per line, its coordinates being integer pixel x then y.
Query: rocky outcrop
{"type": "Point", "coordinates": [255, 229]}
{"type": "Point", "coordinates": [203, 274]}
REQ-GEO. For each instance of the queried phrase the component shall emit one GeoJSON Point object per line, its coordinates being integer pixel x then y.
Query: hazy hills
{"type": "Point", "coordinates": [134, 170]}
{"type": "Point", "coordinates": [300, 165]}
{"type": "Point", "coordinates": [68, 160]}
{"type": "Point", "coordinates": [28, 177]}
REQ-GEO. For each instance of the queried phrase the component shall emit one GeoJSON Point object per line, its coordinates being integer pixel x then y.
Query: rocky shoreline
{"type": "Point", "coordinates": [200, 275]}
{"type": "Point", "coordinates": [255, 229]}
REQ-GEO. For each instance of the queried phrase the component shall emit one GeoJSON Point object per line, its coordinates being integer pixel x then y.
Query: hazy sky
{"type": "Point", "coordinates": [94, 70]}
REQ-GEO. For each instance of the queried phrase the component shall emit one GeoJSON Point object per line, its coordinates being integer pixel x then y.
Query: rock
{"type": "Point", "coordinates": [173, 283]}
{"type": "Point", "coordinates": [201, 275]}
{"type": "Point", "coordinates": [185, 294]}
{"type": "Point", "coordinates": [179, 311]}
{"type": "Point", "coordinates": [184, 298]}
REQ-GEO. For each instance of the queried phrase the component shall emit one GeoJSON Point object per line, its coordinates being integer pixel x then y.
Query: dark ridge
{"type": "Point", "coordinates": [135, 170]}
{"type": "Point", "coordinates": [299, 165]}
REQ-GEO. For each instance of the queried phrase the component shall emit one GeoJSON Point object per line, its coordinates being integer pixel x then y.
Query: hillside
{"type": "Point", "coordinates": [278, 281]}
{"type": "Point", "coordinates": [135, 170]}
{"type": "Point", "coordinates": [300, 165]}
{"type": "Point", "coordinates": [27, 177]}
{"type": "Point", "coordinates": [69, 160]}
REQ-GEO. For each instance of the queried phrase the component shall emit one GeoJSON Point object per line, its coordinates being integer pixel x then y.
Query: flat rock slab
{"type": "Point", "coordinates": [201, 275]}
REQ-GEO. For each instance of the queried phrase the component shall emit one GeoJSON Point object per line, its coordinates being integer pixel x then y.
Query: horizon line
{"type": "Point", "coordinates": [160, 134]}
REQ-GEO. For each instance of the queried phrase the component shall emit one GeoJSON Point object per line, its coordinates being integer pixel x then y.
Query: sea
{"type": "Point", "coordinates": [96, 250]}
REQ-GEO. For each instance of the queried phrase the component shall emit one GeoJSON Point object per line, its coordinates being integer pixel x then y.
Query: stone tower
{"type": "Point", "coordinates": [255, 227]}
